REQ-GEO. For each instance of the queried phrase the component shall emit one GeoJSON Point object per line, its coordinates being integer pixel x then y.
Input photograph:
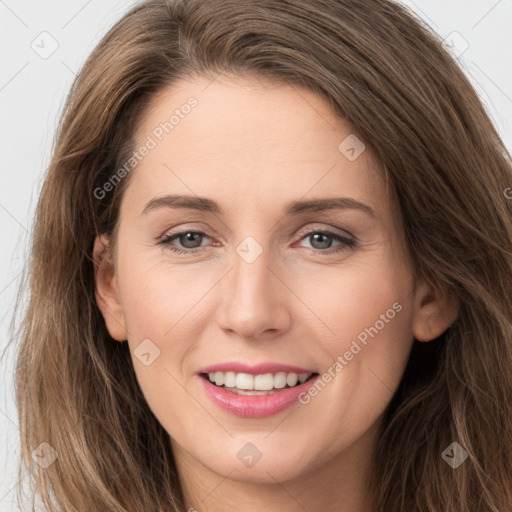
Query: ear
{"type": "Point", "coordinates": [106, 290]}
{"type": "Point", "coordinates": [434, 312]}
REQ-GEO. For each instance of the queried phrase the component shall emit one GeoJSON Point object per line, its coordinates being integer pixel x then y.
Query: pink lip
{"type": "Point", "coordinates": [258, 369]}
{"type": "Point", "coordinates": [255, 406]}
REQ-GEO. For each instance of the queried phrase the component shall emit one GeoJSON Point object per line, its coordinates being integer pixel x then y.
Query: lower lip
{"type": "Point", "coordinates": [255, 406]}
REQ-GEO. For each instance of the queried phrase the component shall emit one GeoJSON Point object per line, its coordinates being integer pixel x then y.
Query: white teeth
{"type": "Point", "coordinates": [280, 380]}
{"type": "Point", "coordinates": [229, 379]}
{"type": "Point", "coordinates": [292, 379]}
{"type": "Point", "coordinates": [263, 382]}
{"type": "Point", "coordinates": [303, 377]}
{"type": "Point", "coordinates": [244, 381]}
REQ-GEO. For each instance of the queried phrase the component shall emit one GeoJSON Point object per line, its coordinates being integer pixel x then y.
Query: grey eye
{"type": "Point", "coordinates": [323, 240]}
{"type": "Point", "coordinates": [190, 239]}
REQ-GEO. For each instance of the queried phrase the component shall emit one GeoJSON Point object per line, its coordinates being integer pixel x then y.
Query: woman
{"type": "Point", "coordinates": [271, 270]}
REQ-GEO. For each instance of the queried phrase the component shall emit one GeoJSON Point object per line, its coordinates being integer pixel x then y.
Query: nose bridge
{"type": "Point", "coordinates": [251, 278]}
{"type": "Point", "coordinates": [252, 302]}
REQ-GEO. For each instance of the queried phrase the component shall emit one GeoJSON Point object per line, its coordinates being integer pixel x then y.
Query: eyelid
{"type": "Point", "coordinates": [346, 243]}
{"type": "Point", "coordinates": [185, 228]}
{"type": "Point", "coordinates": [301, 233]}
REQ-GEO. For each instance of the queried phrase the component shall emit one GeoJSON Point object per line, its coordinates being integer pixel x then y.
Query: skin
{"type": "Point", "coordinates": [253, 147]}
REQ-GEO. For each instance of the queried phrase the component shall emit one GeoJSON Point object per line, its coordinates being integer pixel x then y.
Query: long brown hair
{"type": "Point", "coordinates": [386, 73]}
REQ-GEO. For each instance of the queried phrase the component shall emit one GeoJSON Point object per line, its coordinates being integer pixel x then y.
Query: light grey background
{"type": "Point", "coordinates": [32, 93]}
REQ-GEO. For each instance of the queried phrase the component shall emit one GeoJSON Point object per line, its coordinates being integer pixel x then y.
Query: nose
{"type": "Point", "coordinates": [254, 303]}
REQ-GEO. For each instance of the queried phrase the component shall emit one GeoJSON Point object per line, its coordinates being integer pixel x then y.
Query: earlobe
{"type": "Point", "coordinates": [106, 291]}
{"type": "Point", "coordinates": [434, 312]}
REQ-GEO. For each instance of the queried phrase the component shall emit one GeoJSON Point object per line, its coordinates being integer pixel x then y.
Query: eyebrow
{"type": "Point", "coordinates": [205, 204]}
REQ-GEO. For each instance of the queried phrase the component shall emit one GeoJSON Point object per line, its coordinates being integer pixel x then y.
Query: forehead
{"type": "Point", "coordinates": [244, 140]}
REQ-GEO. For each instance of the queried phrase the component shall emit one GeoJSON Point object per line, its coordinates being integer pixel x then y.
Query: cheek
{"type": "Point", "coordinates": [165, 304]}
{"type": "Point", "coordinates": [364, 300]}
{"type": "Point", "coordinates": [368, 311]}
{"type": "Point", "coordinates": [158, 297]}
{"type": "Point", "coordinates": [163, 311]}
{"type": "Point", "coordinates": [369, 363]}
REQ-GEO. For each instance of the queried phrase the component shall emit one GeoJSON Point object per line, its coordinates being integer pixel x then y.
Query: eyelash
{"type": "Point", "coordinates": [347, 243]}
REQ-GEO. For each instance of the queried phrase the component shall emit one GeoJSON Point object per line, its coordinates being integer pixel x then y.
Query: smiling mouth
{"type": "Point", "coordinates": [256, 385]}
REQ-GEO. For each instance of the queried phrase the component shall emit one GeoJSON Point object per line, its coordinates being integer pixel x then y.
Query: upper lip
{"type": "Point", "coordinates": [258, 369]}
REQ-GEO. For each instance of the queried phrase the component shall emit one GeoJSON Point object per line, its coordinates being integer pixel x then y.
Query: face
{"type": "Point", "coordinates": [281, 258]}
